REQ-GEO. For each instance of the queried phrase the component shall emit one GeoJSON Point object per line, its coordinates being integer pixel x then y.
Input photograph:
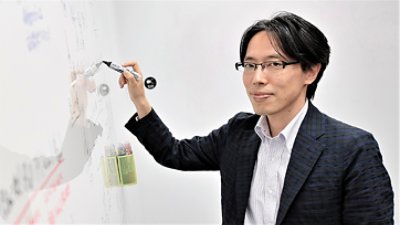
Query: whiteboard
{"type": "Point", "coordinates": [54, 134]}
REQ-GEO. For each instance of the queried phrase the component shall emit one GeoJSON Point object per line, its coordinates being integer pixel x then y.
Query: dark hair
{"type": "Point", "coordinates": [295, 38]}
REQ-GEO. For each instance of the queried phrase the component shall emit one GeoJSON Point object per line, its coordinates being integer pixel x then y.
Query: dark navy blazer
{"type": "Point", "coordinates": [335, 174]}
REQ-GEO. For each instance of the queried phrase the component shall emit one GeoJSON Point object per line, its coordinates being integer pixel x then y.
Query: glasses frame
{"type": "Point", "coordinates": [262, 65]}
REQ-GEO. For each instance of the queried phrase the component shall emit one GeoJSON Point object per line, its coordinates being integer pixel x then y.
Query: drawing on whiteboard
{"type": "Point", "coordinates": [38, 30]}
{"type": "Point", "coordinates": [54, 133]}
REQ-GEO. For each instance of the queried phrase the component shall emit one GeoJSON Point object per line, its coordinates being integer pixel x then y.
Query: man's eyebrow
{"type": "Point", "coordinates": [266, 58]}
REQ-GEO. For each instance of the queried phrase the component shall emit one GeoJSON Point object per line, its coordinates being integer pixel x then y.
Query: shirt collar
{"type": "Point", "coordinates": [289, 132]}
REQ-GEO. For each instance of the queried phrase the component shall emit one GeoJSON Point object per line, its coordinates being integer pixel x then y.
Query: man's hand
{"type": "Point", "coordinates": [135, 89]}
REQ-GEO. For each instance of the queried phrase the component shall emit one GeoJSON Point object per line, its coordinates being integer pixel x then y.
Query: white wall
{"type": "Point", "coordinates": [191, 48]}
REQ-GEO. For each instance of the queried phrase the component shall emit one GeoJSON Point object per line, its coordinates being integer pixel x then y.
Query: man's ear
{"type": "Point", "coordinates": [312, 74]}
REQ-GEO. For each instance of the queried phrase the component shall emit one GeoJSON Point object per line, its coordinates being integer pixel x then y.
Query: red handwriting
{"type": "Point", "coordinates": [56, 211]}
{"type": "Point", "coordinates": [35, 218]}
{"type": "Point", "coordinates": [39, 213]}
{"type": "Point", "coordinates": [52, 187]}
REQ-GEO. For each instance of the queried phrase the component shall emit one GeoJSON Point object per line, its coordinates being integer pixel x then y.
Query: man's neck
{"type": "Point", "coordinates": [278, 122]}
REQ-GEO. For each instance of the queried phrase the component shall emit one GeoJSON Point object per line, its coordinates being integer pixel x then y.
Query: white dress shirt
{"type": "Point", "coordinates": [270, 169]}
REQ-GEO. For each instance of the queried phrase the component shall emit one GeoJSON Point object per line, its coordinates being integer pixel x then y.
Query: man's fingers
{"type": "Point", "coordinates": [128, 76]}
{"type": "Point", "coordinates": [134, 65]}
{"type": "Point", "coordinates": [122, 80]}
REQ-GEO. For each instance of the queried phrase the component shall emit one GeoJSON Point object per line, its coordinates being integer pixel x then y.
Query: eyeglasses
{"type": "Point", "coordinates": [271, 66]}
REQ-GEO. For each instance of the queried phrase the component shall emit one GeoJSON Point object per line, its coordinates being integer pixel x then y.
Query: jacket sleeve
{"type": "Point", "coordinates": [197, 153]}
{"type": "Point", "coordinates": [368, 195]}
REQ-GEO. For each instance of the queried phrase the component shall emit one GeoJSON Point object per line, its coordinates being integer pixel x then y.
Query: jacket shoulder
{"type": "Point", "coordinates": [245, 120]}
{"type": "Point", "coordinates": [333, 125]}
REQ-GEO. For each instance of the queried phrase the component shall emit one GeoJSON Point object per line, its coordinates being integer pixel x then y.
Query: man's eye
{"type": "Point", "coordinates": [274, 64]}
{"type": "Point", "coordinates": [249, 66]}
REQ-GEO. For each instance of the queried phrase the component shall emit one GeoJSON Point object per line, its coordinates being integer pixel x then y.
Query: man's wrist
{"type": "Point", "coordinates": [143, 108]}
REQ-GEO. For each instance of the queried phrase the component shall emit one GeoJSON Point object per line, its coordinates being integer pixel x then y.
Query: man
{"type": "Point", "coordinates": [288, 163]}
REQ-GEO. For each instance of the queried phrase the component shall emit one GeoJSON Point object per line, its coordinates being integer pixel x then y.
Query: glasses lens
{"type": "Point", "coordinates": [273, 66]}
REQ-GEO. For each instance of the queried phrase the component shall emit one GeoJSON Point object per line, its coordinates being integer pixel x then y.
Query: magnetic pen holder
{"type": "Point", "coordinates": [118, 170]}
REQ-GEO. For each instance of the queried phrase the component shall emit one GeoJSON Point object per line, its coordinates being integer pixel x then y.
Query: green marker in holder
{"type": "Point", "coordinates": [109, 167]}
{"type": "Point", "coordinates": [127, 169]}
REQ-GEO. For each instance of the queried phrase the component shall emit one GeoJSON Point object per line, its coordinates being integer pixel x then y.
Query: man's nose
{"type": "Point", "coordinates": [259, 76]}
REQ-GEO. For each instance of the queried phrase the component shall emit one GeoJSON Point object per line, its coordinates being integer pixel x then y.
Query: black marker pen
{"type": "Point", "coordinates": [121, 69]}
{"type": "Point", "coordinates": [149, 82]}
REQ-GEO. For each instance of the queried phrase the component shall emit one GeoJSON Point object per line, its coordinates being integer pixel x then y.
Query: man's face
{"type": "Point", "coordinates": [274, 93]}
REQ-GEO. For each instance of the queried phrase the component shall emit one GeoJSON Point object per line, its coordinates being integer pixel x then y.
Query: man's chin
{"type": "Point", "coordinates": [261, 112]}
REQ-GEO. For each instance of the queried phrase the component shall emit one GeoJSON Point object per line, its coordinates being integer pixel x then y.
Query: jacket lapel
{"type": "Point", "coordinates": [247, 155]}
{"type": "Point", "coordinates": [305, 153]}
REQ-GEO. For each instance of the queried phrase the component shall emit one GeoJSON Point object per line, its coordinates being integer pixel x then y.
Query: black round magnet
{"type": "Point", "coordinates": [150, 82]}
